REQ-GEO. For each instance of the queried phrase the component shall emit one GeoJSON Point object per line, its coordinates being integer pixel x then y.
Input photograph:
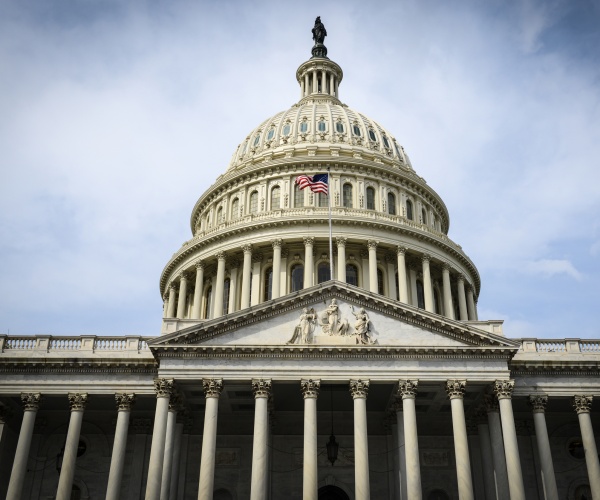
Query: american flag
{"type": "Point", "coordinates": [318, 183]}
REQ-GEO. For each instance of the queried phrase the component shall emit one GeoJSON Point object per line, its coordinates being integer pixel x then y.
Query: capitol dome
{"type": "Point", "coordinates": [389, 228]}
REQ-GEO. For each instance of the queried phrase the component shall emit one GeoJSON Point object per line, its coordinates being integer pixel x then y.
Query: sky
{"type": "Point", "coordinates": [116, 116]}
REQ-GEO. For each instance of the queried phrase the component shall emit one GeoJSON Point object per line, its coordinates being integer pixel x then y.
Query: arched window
{"type": "Point", "coordinates": [385, 141]}
{"type": "Point", "coordinates": [409, 210]}
{"type": "Point", "coordinates": [275, 198]}
{"type": "Point", "coordinates": [323, 272]}
{"type": "Point", "coordinates": [256, 140]}
{"type": "Point", "coordinates": [356, 130]}
{"type": "Point", "coordinates": [220, 215]}
{"type": "Point", "coordinates": [271, 133]}
{"type": "Point", "coordinates": [380, 282]}
{"type": "Point", "coordinates": [298, 196]}
{"type": "Point", "coordinates": [347, 195]}
{"type": "Point", "coordinates": [303, 126]}
{"type": "Point", "coordinates": [323, 199]}
{"type": "Point", "coordinates": [235, 208]}
{"type": "Point", "coordinates": [339, 127]}
{"type": "Point", "coordinates": [372, 135]}
{"type": "Point", "coordinates": [268, 284]}
{"type": "Point", "coordinates": [254, 202]}
{"type": "Point", "coordinates": [207, 303]}
{"type": "Point", "coordinates": [423, 216]}
{"type": "Point", "coordinates": [321, 126]}
{"type": "Point", "coordinates": [297, 275]}
{"type": "Point", "coordinates": [391, 204]}
{"type": "Point", "coordinates": [286, 129]}
{"type": "Point", "coordinates": [370, 198]}
{"type": "Point", "coordinates": [420, 295]}
{"type": "Point", "coordinates": [351, 274]}
{"type": "Point", "coordinates": [226, 288]}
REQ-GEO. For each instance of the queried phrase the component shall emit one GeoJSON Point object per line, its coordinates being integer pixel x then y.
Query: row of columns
{"type": "Point", "coordinates": [310, 83]}
{"type": "Point", "coordinates": [177, 306]}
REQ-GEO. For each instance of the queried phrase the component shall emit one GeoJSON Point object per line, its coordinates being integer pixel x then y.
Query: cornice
{"type": "Point", "coordinates": [69, 366]}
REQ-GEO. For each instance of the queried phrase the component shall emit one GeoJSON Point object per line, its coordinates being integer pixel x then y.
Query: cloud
{"type": "Point", "coordinates": [552, 267]}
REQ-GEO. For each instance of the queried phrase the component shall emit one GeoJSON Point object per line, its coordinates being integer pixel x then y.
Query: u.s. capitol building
{"type": "Point", "coordinates": [273, 378]}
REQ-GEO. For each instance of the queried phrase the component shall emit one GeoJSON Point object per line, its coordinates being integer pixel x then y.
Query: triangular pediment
{"type": "Point", "coordinates": [333, 314]}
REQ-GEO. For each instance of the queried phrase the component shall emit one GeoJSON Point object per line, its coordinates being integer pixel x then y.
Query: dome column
{"type": "Point", "coordinates": [402, 283]}
{"type": "Point", "coordinates": [462, 299]}
{"type": "Point", "coordinates": [246, 276]}
{"type": "Point", "coordinates": [427, 289]}
{"type": "Point", "coordinates": [448, 305]}
{"type": "Point", "coordinates": [373, 266]}
{"type": "Point", "coordinates": [197, 305]}
{"type": "Point", "coordinates": [340, 242]}
{"type": "Point", "coordinates": [182, 296]}
{"type": "Point", "coordinates": [308, 261]}
{"type": "Point", "coordinates": [306, 84]}
{"type": "Point", "coordinates": [275, 285]}
{"type": "Point", "coordinates": [582, 405]}
{"type": "Point", "coordinates": [331, 78]}
{"type": "Point", "coordinates": [471, 310]}
{"type": "Point", "coordinates": [171, 306]}
{"type": "Point", "coordinates": [219, 286]}
{"type": "Point", "coordinates": [233, 283]}
{"type": "Point", "coordinates": [315, 85]}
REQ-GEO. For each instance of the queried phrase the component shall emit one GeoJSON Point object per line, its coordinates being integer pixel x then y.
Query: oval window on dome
{"type": "Point", "coordinates": [256, 140]}
{"type": "Point", "coordinates": [303, 126]}
{"type": "Point", "coordinates": [322, 126]}
{"type": "Point", "coordinates": [286, 129]}
{"type": "Point", "coordinates": [339, 127]}
{"type": "Point", "coordinates": [372, 135]}
{"type": "Point", "coordinates": [385, 141]}
{"type": "Point", "coordinates": [356, 130]}
{"type": "Point", "coordinates": [270, 134]}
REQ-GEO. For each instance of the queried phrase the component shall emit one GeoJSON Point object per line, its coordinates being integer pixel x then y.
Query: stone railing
{"type": "Point", "coordinates": [15, 345]}
{"type": "Point", "coordinates": [547, 346]}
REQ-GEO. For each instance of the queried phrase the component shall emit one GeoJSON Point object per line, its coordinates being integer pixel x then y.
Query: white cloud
{"type": "Point", "coordinates": [552, 267]}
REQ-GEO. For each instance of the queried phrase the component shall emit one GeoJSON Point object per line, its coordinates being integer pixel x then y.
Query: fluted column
{"type": "Point", "coordinates": [471, 311]}
{"type": "Point", "coordinates": [124, 402]}
{"type": "Point", "coordinates": [448, 305]}
{"type": "Point", "coordinates": [199, 285]}
{"type": "Point", "coordinates": [260, 455]}
{"type": "Point", "coordinates": [212, 391]}
{"type": "Point", "coordinates": [219, 285]}
{"type": "Point", "coordinates": [503, 390]}
{"type": "Point", "coordinates": [583, 406]}
{"type": "Point", "coordinates": [498, 455]}
{"type": "Point", "coordinates": [246, 276]}
{"type": "Point", "coordinates": [181, 302]}
{"type": "Point", "coordinates": [340, 241]}
{"type": "Point", "coordinates": [462, 298]}
{"type": "Point", "coordinates": [359, 390]}
{"type": "Point", "coordinates": [487, 460]}
{"type": "Point", "coordinates": [172, 296]}
{"type": "Point", "coordinates": [538, 405]}
{"type": "Point", "coordinates": [31, 404]}
{"type": "Point", "coordinates": [456, 391]}
{"type": "Point", "coordinates": [163, 388]}
{"type": "Point", "coordinates": [427, 289]}
{"type": "Point", "coordinates": [275, 287]}
{"type": "Point", "coordinates": [372, 245]}
{"type": "Point", "coordinates": [407, 390]}
{"type": "Point", "coordinates": [77, 402]}
{"type": "Point", "coordinates": [310, 390]}
{"type": "Point", "coordinates": [165, 484]}
{"type": "Point", "coordinates": [402, 283]}
{"type": "Point", "coordinates": [308, 261]}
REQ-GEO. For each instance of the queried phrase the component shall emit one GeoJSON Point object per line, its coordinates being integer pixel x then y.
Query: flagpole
{"type": "Point", "coordinates": [330, 237]}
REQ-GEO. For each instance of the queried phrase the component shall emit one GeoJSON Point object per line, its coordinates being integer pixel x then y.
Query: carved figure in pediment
{"type": "Point", "coordinates": [303, 333]}
{"type": "Point", "coordinates": [362, 327]}
{"type": "Point", "coordinates": [331, 322]}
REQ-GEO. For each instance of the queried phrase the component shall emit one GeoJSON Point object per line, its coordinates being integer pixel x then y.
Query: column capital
{"type": "Point", "coordinates": [401, 250]}
{"type": "Point", "coordinates": [199, 264]}
{"type": "Point", "coordinates": [407, 389]}
{"type": "Point", "coordinates": [77, 400]}
{"type": "Point", "coordinates": [173, 287]}
{"type": "Point", "coordinates": [183, 276]}
{"type": "Point", "coordinates": [582, 404]}
{"type": "Point", "coordinates": [372, 244]}
{"type": "Point", "coordinates": [340, 241]}
{"type": "Point", "coordinates": [446, 267]}
{"type": "Point", "coordinates": [310, 388]}
{"type": "Point", "coordinates": [257, 257]}
{"type": "Point", "coordinates": [490, 402]}
{"type": "Point", "coordinates": [163, 387]}
{"type": "Point", "coordinates": [221, 256]}
{"type": "Point", "coordinates": [247, 248]}
{"type": "Point", "coordinates": [538, 402]}
{"type": "Point", "coordinates": [425, 257]}
{"type": "Point", "coordinates": [277, 243]}
{"type": "Point", "coordinates": [309, 241]}
{"type": "Point", "coordinates": [175, 402]}
{"type": "Point", "coordinates": [359, 388]}
{"type": "Point", "coordinates": [460, 277]}
{"type": "Point", "coordinates": [504, 388]}
{"type": "Point", "coordinates": [456, 388]}
{"type": "Point", "coordinates": [261, 387]}
{"type": "Point", "coordinates": [212, 387]}
{"type": "Point", "coordinates": [124, 401]}
{"type": "Point", "coordinates": [31, 401]}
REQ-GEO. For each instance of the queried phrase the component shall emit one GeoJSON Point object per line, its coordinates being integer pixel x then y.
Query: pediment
{"type": "Point", "coordinates": [333, 315]}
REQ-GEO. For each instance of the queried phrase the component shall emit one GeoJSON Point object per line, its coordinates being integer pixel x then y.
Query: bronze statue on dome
{"type": "Point", "coordinates": [319, 32]}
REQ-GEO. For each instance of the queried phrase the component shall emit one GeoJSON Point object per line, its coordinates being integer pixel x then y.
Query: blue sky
{"type": "Point", "coordinates": [116, 116]}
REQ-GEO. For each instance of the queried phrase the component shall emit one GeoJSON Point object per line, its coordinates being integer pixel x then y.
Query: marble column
{"type": "Point", "coordinates": [163, 388]}
{"type": "Point", "coordinates": [498, 455]}
{"type": "Point", "coordinates": [306, 84]}
{"type": "Point", "coordinates": [503, 390]}
{"type": "Point", "coordinates": [427, 288]}
{"type": "Point", "coordinates": [315, 86]}
{"type": "Point", "coordinates": [181, 302]}
{"type": "Point", "coordinates": [310, 390]}
{"type": "Point", "coordinates": [462, 298]}
{"type": "Point", "coordinates": [487, 460]}
{"type": "Point", "coordinates": [456, 391]}
{"type": "Point", "coordinates": [359, 390]}
{"type": "Point", "coordinates": [233, 281]}
{"type": "Point", "coordinates": [538, 405]}
{"type": "Point", "coordinates": [165, 483]}
{"type": "Point", "coordinates": [448, 305]}
{"type": "Point", "coordinates": [308, 261]}
{"type": "Point", "coordinates": [471, 311]}
{"type": "Point", "coordinates": [31, 404]}
{"type": "Point", "coordinates": [212, 390]}
{"type": "Point", "coordinates": [275, 290]}
{"type": "Point", "coordinates": [407, 390]}
{"type": "Point", "coordinates": [246, 276]}
{"type": "Point", "coordinates": [583, 406]}
{"type": "Point", "coordinates": [402, 487]}
{"type": "Point", "coordinates": [172, 299]}
{"type": "Point", "coordinates": [373, 285]}
{"type": "Point", "coordinates": [219, 285]}
{"type": "Point", "coordinates": [340, 241]}
{"type": "Point", "coordinates": [402, 282]}
{"type": "Point", "coordinates": [176, 458]}
{"type": "Point", "coordinates": [77, 402]}
{"type": "Point", "coordinates": [199, 285]}
{"type": "Point", "coordinates": [260, 451]}
{"type": "Point", "coordinates": [117, 462]}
